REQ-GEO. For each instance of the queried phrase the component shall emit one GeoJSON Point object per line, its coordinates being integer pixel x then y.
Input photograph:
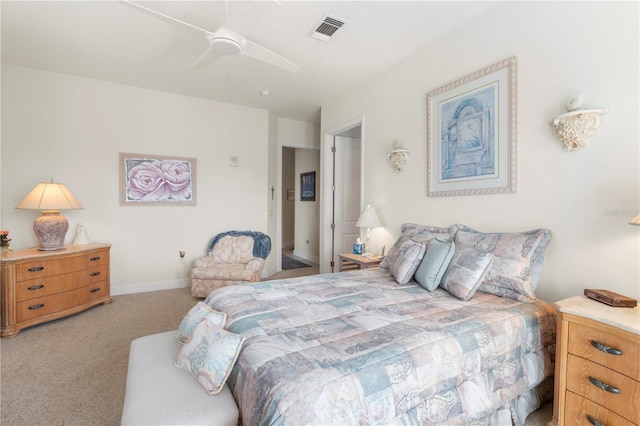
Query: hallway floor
{"type": "Point", "coordinates": [292, 273]}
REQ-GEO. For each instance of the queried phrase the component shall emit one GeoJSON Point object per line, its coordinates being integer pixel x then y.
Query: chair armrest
{"type": "Point", "coordinates": [205, 262]}
{"type": "Point", "coordinates": [255, 264]}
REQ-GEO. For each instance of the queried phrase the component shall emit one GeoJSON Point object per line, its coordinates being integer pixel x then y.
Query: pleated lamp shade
{"type": "Point", "coordinates": [51, 227]}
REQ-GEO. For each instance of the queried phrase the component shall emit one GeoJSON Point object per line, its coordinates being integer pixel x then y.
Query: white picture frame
{"type": "Point", "coordinates": [471, 133]}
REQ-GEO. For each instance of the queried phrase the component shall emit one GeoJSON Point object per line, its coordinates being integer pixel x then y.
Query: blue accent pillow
{"type": "Point", "coordinates": [435, 263]}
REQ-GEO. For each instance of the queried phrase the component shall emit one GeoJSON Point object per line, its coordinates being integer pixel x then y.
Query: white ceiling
{"type": "Point", "coordinates": [108, 40]}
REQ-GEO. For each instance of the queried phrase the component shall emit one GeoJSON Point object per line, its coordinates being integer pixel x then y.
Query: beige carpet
{"type": "Point", "coordinates": [73, 371]}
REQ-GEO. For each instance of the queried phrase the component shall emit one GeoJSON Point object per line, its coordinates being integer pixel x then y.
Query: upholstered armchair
{"type": "Point", "coordinates": [234, 257]}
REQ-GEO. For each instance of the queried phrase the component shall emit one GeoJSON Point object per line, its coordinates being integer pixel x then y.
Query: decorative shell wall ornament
{"type": "Point", "coordinates": [576, 125]}
{"type": "Point", "coordinates": [398, 157]}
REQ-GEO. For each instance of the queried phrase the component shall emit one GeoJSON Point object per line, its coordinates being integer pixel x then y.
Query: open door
{"type": "Point", "coordinates": [342, 192]}
{"type": "Point", "coordinates": [346, 205]}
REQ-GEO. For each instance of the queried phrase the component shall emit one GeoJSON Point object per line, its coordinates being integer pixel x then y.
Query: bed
{"type": "Point", "coordinates": [358, 347]}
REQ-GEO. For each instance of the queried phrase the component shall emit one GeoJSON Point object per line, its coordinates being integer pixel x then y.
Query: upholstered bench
{"type": "Point", "coordinates": [159, 393]}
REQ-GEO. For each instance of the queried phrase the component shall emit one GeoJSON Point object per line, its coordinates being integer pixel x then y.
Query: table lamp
{"type": "Point", "coordinates": [368, 219]}
{"type": "Point", "coordinates": [51, 227]}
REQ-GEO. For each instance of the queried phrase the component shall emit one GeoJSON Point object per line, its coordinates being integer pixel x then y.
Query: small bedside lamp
{"type": "Point", "coordinates": [368, 219]}
{"type": "Point", "coordinates": [51, 227]}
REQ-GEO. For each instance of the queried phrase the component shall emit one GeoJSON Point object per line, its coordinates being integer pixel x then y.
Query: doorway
{"type": "Point", "coordinates": [342, 171]}
{"type": "Point", "coordinates": [298, 219]}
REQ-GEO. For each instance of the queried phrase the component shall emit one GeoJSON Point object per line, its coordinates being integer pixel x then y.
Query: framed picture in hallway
{"type": "Point", "coordinates": [157, 180]}
{"type": "Point", "coordinates": [471, 133]}
{"type": "Point", "coordinates": [308, 186]}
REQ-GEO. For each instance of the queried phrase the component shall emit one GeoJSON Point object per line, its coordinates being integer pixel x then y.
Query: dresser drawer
{"type": "Point", "coordinates": [38, 269]}
{"type": "Point", "coordinates": [46, 305]}
{"type": "Point", "coordinates": [86, 276]}
{"type": "Point", "coordinates": [579, 410]}
{"type": "Point", "coordinates": [84, 261]}
{"type": "Point", "coordinates": [580, 343]}
{"type": "Point", "coordinates": [93, 292]}
{"type": "Point", "coordinates": [40, 287]}
{"type": "Point", "coordinates": [581, 372]}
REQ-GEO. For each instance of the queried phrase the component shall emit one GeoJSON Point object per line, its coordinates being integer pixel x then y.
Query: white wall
{"type": "Point", "coordinates": [585, 198]}
{"type": "Point", "coordinates": [72, 129]}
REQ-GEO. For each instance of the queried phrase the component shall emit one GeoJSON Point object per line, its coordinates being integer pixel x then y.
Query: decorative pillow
{"type": "Point", "coordinates": [425, 233]}
{"type": "Point", "coordinates": [391, 257]}
{"type": "Point", "coordinates": [410, 254]}
{"type": "Point", "coordinates": [195, 316]}
{"type": "Point", "coordinates": [209, 355]}
{"type": "Point", "coordinates": [420, 233]}
{"type": "Point", "coordinates": [434, 264]}
{"type": "Point", "coordinates": [519, 258]}
{"type": "Point", "coordinates": [466, 271]}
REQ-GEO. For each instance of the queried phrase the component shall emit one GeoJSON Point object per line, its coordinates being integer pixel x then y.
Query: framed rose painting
{"type": "Point", "coordinates": [157, 180]}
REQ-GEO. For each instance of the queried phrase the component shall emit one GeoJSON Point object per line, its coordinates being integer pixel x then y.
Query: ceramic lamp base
{"type": "Point", "coordinates": [51, 229]}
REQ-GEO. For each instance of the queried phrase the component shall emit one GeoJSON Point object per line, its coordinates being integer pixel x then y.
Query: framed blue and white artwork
{"type": "Point", "coordinates": [471, 133]}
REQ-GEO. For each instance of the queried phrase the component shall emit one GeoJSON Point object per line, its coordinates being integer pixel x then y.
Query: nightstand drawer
{"type": "Point", "coordinates": [579, 410]}
{"type": "Point", "coordinates": [623, 392]}
{"type": "Point", "coordinates": [627, 361]}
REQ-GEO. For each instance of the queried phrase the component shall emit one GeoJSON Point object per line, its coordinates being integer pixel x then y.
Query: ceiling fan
{"type": "Point", "coordinates": [227, 39]}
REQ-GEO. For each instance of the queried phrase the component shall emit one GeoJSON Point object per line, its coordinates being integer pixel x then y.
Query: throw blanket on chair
{"type": "Point", "coordinates": [261, 242]}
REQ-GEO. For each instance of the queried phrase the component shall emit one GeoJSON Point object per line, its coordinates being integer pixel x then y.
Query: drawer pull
{"type": "Point", "coordinates": [36, 269]}
{"type": "Point", "coordinates": [35, 287]}
{"type": "Point", "coordinates": [594, 421]}
{"type": "Point", "coordinates": [603, 386]}
{"type": "Point", "coordinates": [94, 274]}
{"type": "Point", "coordinates": [38, 306]}
{"type": "Point", "coordinates": [605, 348]}
{"type": "Point", "coordinates": [94, 290]}
{"type": "Point", "coordinates": [93, 259]}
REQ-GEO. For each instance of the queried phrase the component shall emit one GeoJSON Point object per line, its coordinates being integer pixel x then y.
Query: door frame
{"type": "Point", "coordinates": [326, 200]}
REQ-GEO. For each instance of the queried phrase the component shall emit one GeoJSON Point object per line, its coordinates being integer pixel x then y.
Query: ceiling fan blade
{"type": "Point", "coordinates": [164, 17]}
{"type": "Point", "coordinates": [255, 51]}
{"type": "Point", "coordinates": [207, 57]}
{"type": "Point", "coordinates": [245, 19]}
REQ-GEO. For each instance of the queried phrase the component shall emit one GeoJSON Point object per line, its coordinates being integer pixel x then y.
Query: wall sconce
{"type": "Point", "coordinates": [576, 125]}
{"type": "Point", "coordinates": [398, 157]}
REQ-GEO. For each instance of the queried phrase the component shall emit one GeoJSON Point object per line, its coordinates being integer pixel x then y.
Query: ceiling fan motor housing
{"type": "Point", "coordinates": [226, 42]}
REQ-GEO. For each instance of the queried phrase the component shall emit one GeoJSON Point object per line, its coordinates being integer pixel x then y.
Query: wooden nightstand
{"type": "Point", "coordinates": [597, 376]}
{"type": "Point", "coordinates": [348, 261]}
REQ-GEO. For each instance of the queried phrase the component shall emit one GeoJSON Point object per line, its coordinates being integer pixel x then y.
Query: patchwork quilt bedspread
{"type": "Point", "coordinates": [357, 348]}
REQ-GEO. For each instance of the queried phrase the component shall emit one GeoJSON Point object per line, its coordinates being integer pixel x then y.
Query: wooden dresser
{"type": "Point", "coordinates": [40, 286]}
{"type": "Point", "coordinates": [597, 377]}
